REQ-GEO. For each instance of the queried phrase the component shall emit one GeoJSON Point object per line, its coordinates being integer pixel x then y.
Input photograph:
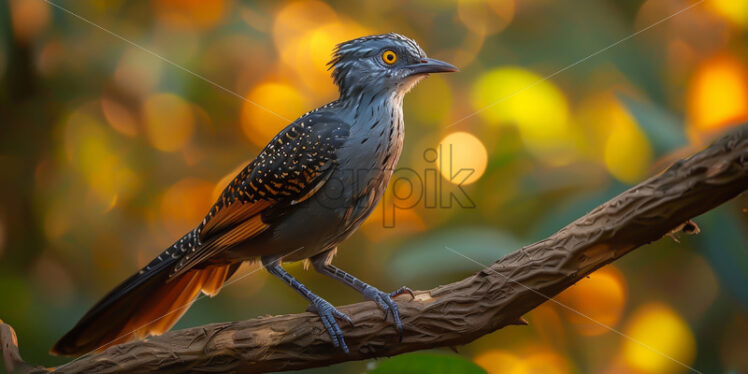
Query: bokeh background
{"type": "Point", "coordinates": [108, 154]}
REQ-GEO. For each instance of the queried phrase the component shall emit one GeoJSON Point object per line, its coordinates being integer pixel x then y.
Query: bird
{"type": "Point", "coordinates": [307, 191]}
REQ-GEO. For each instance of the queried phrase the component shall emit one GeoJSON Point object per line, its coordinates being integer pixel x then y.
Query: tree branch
{"type": "Point", "coordinates": [456, 313]}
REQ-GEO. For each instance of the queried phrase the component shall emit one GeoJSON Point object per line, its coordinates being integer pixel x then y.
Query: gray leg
{"type": "Point", "coordinates": [327, 313]}
{"type": "Point", "coordinates": [384, 300]}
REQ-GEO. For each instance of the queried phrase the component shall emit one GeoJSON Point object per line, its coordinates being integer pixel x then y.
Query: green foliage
{"type": "Point", "coordinates": [428, 257]}
{"type": "Point", "coordinates": [427, 363]}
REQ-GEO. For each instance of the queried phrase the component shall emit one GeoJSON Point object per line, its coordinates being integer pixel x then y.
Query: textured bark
{"type": "Point", "coordinates": [459, 312]}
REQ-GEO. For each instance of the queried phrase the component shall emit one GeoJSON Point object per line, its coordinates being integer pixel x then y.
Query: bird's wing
{"type": "Point", "coordinates": [292, 167]}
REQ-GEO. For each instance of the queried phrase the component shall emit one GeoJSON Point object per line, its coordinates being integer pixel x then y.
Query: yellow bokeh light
{"type": "Point", "coordinates": [169, 121]}
{"type": "Point", "coordinates": [485, 17]}
{"type": "Point", "coordinates": [91, 151]}
{"type": "Point", "coordinates": [298, 17]}
{"type": "Point", "coordinates": [736, 11]}
{"type": "Point", "coordinates": [544, 361]}
{"type": "Point", "coordinates": [601, 296]}
{"type": "Point", "coordinates": [612, 136]}
{"type": "Point", "coordinates": [497, 361]}
{"type": "Point", "coordinates": [718, 94]}
{"type": "Point", "coordinates": [628, 154]}
{"type": "Point", "coordinates": [462, 158]}
{"type": "Point", "coordinates": [258, 123]}
{"type": "Point", "coordinates": [84, 133]}
{"type": "Point", "coordinates": [665, 334]}
{"type": "Point", "coordinates": [515, 96]}
{"type": "Point", "coordinates": [305, 33]}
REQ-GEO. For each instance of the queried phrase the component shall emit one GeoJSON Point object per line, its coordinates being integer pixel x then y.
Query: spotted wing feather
{"type": "Point", "coordinates": [290, 168]}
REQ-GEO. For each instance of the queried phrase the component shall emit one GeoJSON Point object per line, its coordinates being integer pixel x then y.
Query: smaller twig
{"type": "Point", "coordinates": [689, 228]}
{"type": "Point", "coordinates": [11, 356]}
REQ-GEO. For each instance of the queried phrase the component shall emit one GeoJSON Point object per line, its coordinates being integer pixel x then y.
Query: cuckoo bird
{"type": "Point", "coordinates": [308, 190]}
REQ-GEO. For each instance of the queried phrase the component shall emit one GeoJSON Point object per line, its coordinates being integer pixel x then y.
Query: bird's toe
{"type": "Point", "coordinates": [385, 302]}
{"type": "Point", "coordinates": [403, 290]}
{"type": "Point", "coordinates": [328, 314]}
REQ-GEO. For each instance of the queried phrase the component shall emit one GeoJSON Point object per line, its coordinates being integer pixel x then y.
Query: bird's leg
{"type": "Point", "coordinates": [327, 313]}
{"type": "Point", "coordinates": [384, 300]}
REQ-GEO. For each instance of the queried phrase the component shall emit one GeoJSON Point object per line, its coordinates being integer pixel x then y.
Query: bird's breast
{"type": "Point", "coordinates": [369, 159]}
{"type": "Point", "coordinates": [374, 148]}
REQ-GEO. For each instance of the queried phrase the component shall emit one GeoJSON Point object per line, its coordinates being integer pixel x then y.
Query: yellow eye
{"type": "Point", "coordinates": [389, 57]}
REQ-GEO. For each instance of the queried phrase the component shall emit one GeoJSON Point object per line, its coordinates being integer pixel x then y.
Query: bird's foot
{"type": "Point", "coordinates": [385, 302]}
{"type": "Point", "coordinates": [327, 313]}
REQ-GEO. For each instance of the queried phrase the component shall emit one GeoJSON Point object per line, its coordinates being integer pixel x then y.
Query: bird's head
{"type": "Point", "coordinates": [381, 64]}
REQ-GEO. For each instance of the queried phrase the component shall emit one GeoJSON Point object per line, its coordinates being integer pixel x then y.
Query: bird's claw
{"type": "Point", "coordinates": [403, 290]}
{"type": "Point", "coordinates": [385, 302]}
{"type": "Point", "coordinates": [328, 314]}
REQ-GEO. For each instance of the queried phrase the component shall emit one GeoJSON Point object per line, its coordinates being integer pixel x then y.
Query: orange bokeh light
{"type": "Point", "coordinates": [600, 296]}
{"type": "Point", "coordinates": [269, 103]}
{"type": "Point", "coordinates": [387, 221]}
{"type": "Point", "coordinates": [462, 158]}
{"type": "Point", "coordinates": [718, 94]}
{"type": "Point", "coordinates": [121, 119]}
{"type": "Point", "coordinates": [191, 14]}
{"type": "Point", "coordinates": [28, 18]}
{"type": "Point", "coordinates": [185, 204]}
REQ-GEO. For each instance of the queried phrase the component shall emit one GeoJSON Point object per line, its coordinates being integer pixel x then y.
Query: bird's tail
{"type": "Point", "coordinates": [147, 303]}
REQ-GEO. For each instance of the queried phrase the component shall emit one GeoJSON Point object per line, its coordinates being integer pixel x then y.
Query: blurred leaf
{"type": "Point", "coordinates": [428, 257]}
{"type": "Point", "coordinates": [16, 299]}
{"type": "Point", "coordinates": [662, 128]}
{"type": "Point", "coordinates": [723, 241]}
{"type": "Point", "coordinates": [563, 213]}
{"type": "Point", "coordinates": [431, 363]}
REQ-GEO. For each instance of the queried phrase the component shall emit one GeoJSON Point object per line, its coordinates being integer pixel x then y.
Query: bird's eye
{"type": "Point", "coordinates": [389, 57]}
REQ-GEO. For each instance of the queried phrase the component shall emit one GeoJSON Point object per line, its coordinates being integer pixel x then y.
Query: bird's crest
{"type": "Point", "coordinates": [345, 52]}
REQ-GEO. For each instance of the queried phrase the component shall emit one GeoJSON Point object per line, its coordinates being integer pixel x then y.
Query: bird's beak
{"type": "Point", "coordinates": [430, 65]}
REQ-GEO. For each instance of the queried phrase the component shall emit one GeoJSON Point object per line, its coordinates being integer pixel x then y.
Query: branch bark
{"type": "Point", "coordinates": [456, 313]}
